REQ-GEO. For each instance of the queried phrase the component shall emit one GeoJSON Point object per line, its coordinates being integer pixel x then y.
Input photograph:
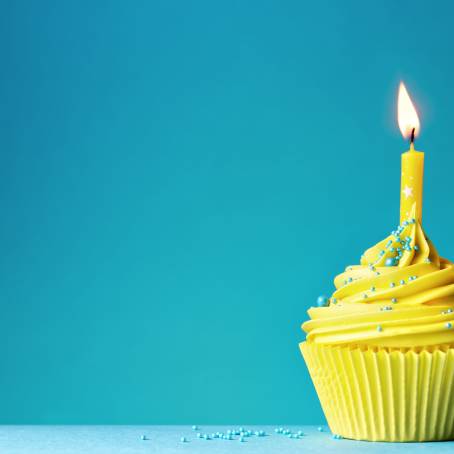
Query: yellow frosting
{"type": "Point", "coordinates": [392, 299]}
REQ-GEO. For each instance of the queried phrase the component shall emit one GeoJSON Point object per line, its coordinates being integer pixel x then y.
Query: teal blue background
{"type": "Point", "coordinates": [180, 180]}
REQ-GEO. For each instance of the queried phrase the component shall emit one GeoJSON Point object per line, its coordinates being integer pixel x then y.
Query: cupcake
{"type": "Point", "coordinates": [381, 351]}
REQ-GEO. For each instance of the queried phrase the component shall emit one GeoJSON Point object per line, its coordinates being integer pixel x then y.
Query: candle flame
{"type": "Point", "coordinates": [406, 113]}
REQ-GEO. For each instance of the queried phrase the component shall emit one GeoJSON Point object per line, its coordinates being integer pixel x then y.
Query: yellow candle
{"type": "Point", "coordinates": [411, 184]}
{"type": "Point", "coordinates": [412, 160]}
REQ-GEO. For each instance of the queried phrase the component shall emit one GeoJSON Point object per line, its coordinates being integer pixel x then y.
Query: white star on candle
{"type": "Point", "coordinates": [407, 191]}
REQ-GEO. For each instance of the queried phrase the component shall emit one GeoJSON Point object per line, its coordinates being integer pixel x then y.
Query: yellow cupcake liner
{"type": "Point", "coordinates": [380, 394]}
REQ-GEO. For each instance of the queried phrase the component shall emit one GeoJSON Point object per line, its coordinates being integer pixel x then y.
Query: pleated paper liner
{"type": "Point", "coordinates": [384, 395]}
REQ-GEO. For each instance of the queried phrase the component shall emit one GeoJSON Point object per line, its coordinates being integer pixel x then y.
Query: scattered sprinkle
{"type": "Point", "coordinates": [393, 300]}
{"type": "Point", "coordinates": [392, 284]}
{"type": "Point", "coordinates": [241, 439]}
{"type": "Point", "coordinates": [143, 437]}
{"type": "Point", "coordinates": [402, 282]}
{"type": "Point", "coordinates": [379, 328]}
{"type": "Point", "coordinates": [195, 428]}
{"type": "Point", "coordinates": [320, 429]}
{"type": "Point", "coordinates": [183, 440]}
{"type": "Point", "coordinates": [416, 247]}
{"type": "Point", "coordinates": [350, 279]}
{"type": "Point", "coordinates": [372, 289]}
{"type": "Point", "coordinates": [449, 325]}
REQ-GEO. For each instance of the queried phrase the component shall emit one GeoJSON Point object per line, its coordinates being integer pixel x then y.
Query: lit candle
{"type": "Point", "coordinates": [412, 160]}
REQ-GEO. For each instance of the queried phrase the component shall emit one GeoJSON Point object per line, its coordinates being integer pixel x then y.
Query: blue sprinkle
{"type": "Point", "coordinates": [195, 428]}
{"type": "Point", "coordinates": [382, 253]}
{"type": "Point", "coordinates": [320, 429]}
{"type": "Point", "coordinates": [241, 429]}
{"type": "Point", "coordinates": [402, 282]}
{"type": "Point", "coordinates": [449, 325]}
{"type": "Point", "coordinates": [449, 311]}
{"type": "Point", "coordinates": [392, 284]}
{"type": "Point", "coordinates": [183, 440]}
{"type": "Point", "coordinates": [379, 328]}
{"type": "Point", "coordinates": [206, 437]}
{"type": "Point", "coordinates": [322, 301]}
{"type": "Point", "coordinates": [300, 433]}
{"type": "Point", "coordinates": [143, 437]}
{"type": "Point", "coordinates": [365, 295]}
{"type": "Point", "coordinates": [392, 249]}
{"type": "Point", "coordinates": [372, 289]}
{"type": "Point", "coordinates": [390, 261]}
{"type": "Point", "coordinates": [393, 300]}
{"type": "Point", "coordinates": [241, 439]}
{"type": "Point", "coordinates": [350, 279]}
{"type": "Point", "coordinates": [416, 247]}
{"type": "Point", "coordinates": [199, 435]}
{"type": "Point", "coordinates": [334, 300]}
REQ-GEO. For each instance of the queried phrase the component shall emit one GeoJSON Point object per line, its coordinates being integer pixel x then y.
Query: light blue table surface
{"type": "Point", "coordinates": [166, 439]}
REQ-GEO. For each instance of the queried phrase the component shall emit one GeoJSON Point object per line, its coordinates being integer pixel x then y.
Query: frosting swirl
{"type": "Point", "coordinates": [401, 295]}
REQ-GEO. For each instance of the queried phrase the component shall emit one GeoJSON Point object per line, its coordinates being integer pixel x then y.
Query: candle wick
{"type": "Point", "coordinates": [412, 137]}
